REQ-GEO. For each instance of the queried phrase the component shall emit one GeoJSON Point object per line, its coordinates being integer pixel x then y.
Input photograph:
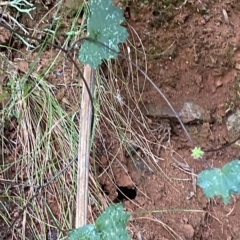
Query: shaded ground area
{"type": "Point", "coordinates": [192, 50]}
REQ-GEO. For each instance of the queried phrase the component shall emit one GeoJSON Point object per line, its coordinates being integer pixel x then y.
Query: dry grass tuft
{"type": "Point", "coordinates": [45, 142]}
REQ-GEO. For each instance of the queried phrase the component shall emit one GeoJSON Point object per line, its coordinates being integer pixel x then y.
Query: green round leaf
{"type": "Point", "coordinates": [112, 223]}
{"type": "Point", "coordinates": [104, 26]}
{"type": "Point", "coordinates": [87, 232]}
{"type": "Point", "coordinates": [221, 182]}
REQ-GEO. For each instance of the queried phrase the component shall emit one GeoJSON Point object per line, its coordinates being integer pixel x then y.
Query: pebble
{"type": "Point", "coordinates": [187, 231]}
{"type": "Point", "coordinates": [218, 83]}
{"type": "Point", "coordinates": [149, 121]}
{"type": "Point", "coordinates": [233, 122]}
{"type": "Point", "coordinates": [205, 235]}
{"type": "Point", "coordinates": [237, 66]}
{"type": "Point", "coordinates": [190, 112]}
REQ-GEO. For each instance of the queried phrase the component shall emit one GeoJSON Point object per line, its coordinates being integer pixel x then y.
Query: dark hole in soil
{"type": "Point", "coordinates": [125, 193]}
{"type": "Point", "coordinates": [132, 151]}
{"type": "Point", "coordinates": [105, 190]}
{"type": "Point", "coordinates": [156, 13]}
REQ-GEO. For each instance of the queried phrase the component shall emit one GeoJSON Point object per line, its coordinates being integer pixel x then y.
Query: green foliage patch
{"type": "Point", "coordinates": [111, 224]}
{"type": "Point", "coordinates": [103, 25]}
{"type": "Point", "coordinates": [221, 182]}
{"type": "Point", "coordinates": [197, 153]}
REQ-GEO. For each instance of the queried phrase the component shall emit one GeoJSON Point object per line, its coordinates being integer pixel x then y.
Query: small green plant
{"type": "Point", "coordinates": [219, 182]}
{"type": "Point", "coordinates": [111, 224]}
{"type": "Point", "coordinates": [103, 26]}
{"type": "Point", "coordinates": [197, 153]}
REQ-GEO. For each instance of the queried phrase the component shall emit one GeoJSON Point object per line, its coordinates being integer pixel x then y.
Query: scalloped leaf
{"type": "Point", "coordinates": [104, 26]}
{"type": "Point", "coordinates": [221, 182]}
{"type": "Point", "coordinates": [87, 232]}
{"type": "Point", "coordinates": [111, 224]}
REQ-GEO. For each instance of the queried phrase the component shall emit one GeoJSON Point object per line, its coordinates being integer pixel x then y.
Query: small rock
{"type": "Point", "coordinates": [159, 109]}
{"type": "Point", "coordinates": [192, 111]}
{"type": "Point", "coordinates": [190, 195]}
{"type": "Point", "coordinates": [187, 231]}
{"type": "Point", "coordinates": [189, 112]}
{"type": "Point", "coordinates": [218, 83]}
{"type": "Point", "coordinates": [205, 235]}
{"type": "Point", "coordinates": [149, 121]}
{"type": "Point", "coordinates": [237, 66]}
{"type": "Point", "coordinates": [233, 123]}
{"type": "Point", "coordinates": [203, 22]}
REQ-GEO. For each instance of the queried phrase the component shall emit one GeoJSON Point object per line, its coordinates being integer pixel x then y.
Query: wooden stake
{"type": "Point", "coordinates": [83, 149]}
